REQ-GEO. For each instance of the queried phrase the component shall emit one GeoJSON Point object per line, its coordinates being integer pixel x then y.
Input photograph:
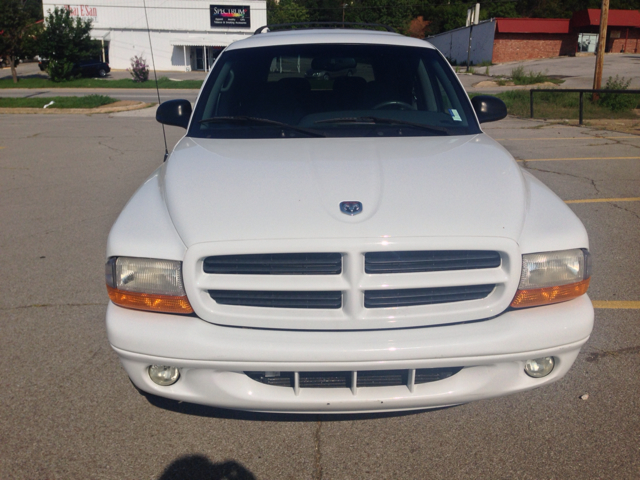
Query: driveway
{"type": "Point", "coordinates": [577, 72]}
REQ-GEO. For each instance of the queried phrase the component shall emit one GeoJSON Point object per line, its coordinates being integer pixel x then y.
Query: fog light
{"type": "Point", "coordinates": [539, 367]}
{"type": "Point", "coordinates": [163, 375]}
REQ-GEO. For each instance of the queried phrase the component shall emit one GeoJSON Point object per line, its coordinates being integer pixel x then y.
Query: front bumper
{"type": "Point", "coordinates": [212, 358]}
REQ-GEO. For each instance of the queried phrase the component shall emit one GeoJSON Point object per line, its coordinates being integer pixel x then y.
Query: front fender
{"type": "Point", "coordinates": [144, 227]}
{"type": "Point", "coordinates": [549, 223]}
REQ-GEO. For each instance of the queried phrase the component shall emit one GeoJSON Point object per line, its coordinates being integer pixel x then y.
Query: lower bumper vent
{"type": "Point", "coordinates": [424, 296]}
{"type": "Point", "coordinates": [252, 298]}
{"type": "Point", "coordinates": [353, 380]}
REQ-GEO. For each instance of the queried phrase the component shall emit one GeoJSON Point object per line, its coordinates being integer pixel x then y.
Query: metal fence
{"type": "Point", "coordinates": [581, 91]}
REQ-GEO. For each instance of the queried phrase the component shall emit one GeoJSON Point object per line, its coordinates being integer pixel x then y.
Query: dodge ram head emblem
{"type": "Point", "coordinates": [351, 208]}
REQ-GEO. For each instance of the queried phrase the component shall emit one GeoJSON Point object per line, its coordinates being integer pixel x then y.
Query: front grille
{"type": "Point", "coordinates": [252, 298]}
{"type": "Point", "coordinates": [429, 261]}
{"type": "Point", "coordinates": [424, 296]}
{"type": "Point", "coordinates": [275, 264]}
{"type": "Point", "coordinates": [363, 379]}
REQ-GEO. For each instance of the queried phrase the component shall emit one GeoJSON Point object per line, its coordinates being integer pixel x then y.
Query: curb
{"type": "Point", "coordinates": [76, 111]}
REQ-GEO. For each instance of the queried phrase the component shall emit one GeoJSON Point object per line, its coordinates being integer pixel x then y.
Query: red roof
{"type": "Point", "coordinates": [532, 25]}
{"type": "Point", "coordinates": [617, 18]}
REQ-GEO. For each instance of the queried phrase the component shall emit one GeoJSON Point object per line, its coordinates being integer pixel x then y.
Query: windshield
{"type": "Point", "coordinates": [331, 90]}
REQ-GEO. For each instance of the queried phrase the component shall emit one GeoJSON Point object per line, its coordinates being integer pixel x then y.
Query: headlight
{"type": "Point", "coordinates": [147, 284]}
{"type": "Point", "coordinates": [553, 277]}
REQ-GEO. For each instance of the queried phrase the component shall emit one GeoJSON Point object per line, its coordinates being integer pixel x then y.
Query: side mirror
{"type": "Point", "coordinates": [174, 112]}
{"type": "Point", "coordinates": [489, 109]}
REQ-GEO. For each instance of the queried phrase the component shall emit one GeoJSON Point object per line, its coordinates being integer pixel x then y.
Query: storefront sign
{"type": "Point", "coordinates": [84, 11]}
{"type": "Point", "coordinates": [230, 16]}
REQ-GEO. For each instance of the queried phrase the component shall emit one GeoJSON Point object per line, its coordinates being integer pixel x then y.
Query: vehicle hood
{"type": "Point", "coordinates": [252, 189]}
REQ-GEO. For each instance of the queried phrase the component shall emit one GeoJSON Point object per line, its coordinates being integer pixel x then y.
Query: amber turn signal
{"type": "Point", "coordinates": [545, 296]}
{"type": "Point", "coordinates": [150, 303]}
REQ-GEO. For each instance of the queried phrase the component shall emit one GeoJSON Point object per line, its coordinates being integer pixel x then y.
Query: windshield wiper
{"type": "Point", "coordinates": [386, 121]}
{"type": "Point", "coordinates": [261, 121]}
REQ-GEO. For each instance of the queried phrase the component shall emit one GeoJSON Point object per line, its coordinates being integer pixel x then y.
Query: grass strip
{"type": "Point", "coordinates": [88, 101]}
{"type": "Point", "coordinates": [163, 83]}
{"type": "Point", "coordinates": [561, 105]}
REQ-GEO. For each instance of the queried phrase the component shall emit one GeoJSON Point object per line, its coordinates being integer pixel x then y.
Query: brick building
{"type": "Point", "coordinates": [623, 29]}
{"type": "Point", "coordinates": [531, 38]}
{"type": "Point", "coordinates": [501, 40]}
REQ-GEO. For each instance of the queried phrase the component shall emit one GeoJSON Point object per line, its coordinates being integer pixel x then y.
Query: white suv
{"type": "Point", "coordinates": [343, 243]}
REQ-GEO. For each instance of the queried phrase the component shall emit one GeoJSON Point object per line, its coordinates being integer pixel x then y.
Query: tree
{"type": "Point", "coordinates": [65, 41]}
{"type": "Point", "coordinates": [15, 27]}
{"type": "Point", "coordinates": [445, 16]}
{"type": "Point", "coordinates": [33, 9]}
{"type": "Point", "coordinates": [286, 11]}
{"type": "Point", "coordinates": [323, 10]}
{"type": "Point", "coordinates": [397, 14]}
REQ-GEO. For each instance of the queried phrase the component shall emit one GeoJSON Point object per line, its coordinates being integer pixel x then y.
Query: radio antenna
{"type": "Point", "coordinates": [155, 75]}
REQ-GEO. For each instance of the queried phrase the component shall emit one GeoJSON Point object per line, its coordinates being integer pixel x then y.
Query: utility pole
{"type": "Point", "coordinates": [602, 41]}
{"type": "Point", "coordinates": [473, 16]}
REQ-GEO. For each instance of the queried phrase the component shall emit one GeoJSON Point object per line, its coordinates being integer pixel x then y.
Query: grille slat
{"type": "Point", "coordinates": [366, 379]}
{"type": "Point", "coordinates": [275, 264]}
{"type": "Point", "coordinates": [424, 296]}
{"type": "Point", "coordinates": [429, 261]}
{"type": "Point", "coordinates": [251, 298]}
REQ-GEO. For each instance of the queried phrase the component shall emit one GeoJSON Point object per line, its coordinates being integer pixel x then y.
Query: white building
{"type": "Point", "coordinates": [185, 34]}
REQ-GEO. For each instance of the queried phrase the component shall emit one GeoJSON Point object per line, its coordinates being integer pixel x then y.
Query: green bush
{"type": "Point", "coordinates": [618, 102]}
{"type": "Point", "coordinates": [59, 70]}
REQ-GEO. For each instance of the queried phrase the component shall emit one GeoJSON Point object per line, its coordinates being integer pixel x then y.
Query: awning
{"type": "Point", "coordinates": [106, 37]}
{"type": "Point", "coordinates": [617, 18]}
{"type": "Point", "coordinates": [201, 42]}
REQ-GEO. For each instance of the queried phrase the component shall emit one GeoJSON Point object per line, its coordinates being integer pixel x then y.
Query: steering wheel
{"type": "Point", "coordinates": [394, 102]}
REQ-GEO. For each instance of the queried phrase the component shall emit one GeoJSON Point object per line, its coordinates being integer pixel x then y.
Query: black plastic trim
{"type": "Point", "coordinates": [274, 299]}
{"type": "Point", "coordinates": [424, 296]}
{"type": "Point", "coordinates": [275, 264]}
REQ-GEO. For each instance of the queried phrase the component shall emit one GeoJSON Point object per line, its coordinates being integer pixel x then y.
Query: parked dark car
{"type": "Point", "coordinates": [85, 68]}
{"type": "Point", "coordinates": [92, 68]}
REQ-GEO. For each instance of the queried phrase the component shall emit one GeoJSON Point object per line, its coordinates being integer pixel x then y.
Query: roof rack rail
{"type": "Point", "coordinates": [287, 26]}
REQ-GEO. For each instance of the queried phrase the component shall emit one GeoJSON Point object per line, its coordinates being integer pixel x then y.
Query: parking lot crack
{"type": "Point", "coordinates": [626, 210]}
{"type": "Point", "coordinates": [618, 141]}
{"type": "Point", "coordinates": [591, 180]}
{"type": "Point", "coordinates": [48, 305]}
{"type": "Point", "coordinates": [119, 152]}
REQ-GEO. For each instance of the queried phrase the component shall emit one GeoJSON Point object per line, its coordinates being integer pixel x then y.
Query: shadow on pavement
{"type": "Point", "coordinates": [198, 467]}
{"type": "Point", "coordinates": [41, 76]}
{"type": "Point", "coordinates": [212, 412]}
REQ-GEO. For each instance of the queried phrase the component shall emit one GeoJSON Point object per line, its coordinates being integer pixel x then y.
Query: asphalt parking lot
{"type": "Point", "coordinates": [69, 411]}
